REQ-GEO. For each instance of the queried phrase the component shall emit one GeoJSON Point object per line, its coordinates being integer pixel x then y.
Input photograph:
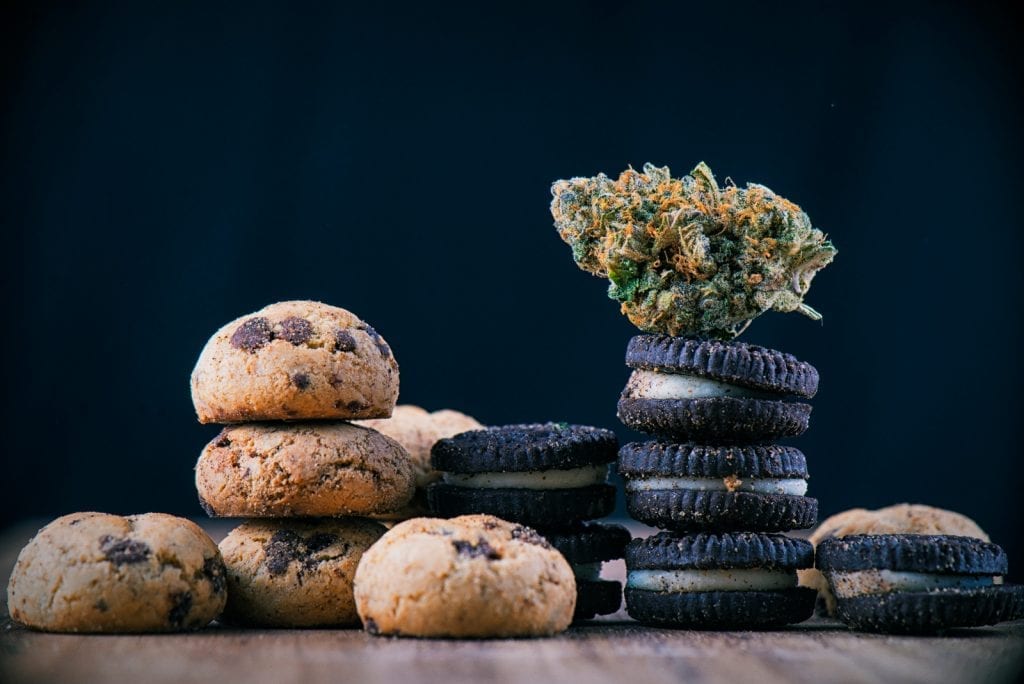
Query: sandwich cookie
{"type": "Point", "coordinates": [586, 547]}
{"type": "Point", "coordinates": [94, 572]}
{"type": "Point", "coordinates": [714, 392]}
{"type": "Point", "coordinates": [738, 580]}
{"type": "Point", "coordinates": [913, 583]}
{"type": "Point", "coordinates": [269, 470]}
{"type": "Point", "coordinates": [687, 487]}
{"type": "Point", "coordinates": [471, 576]}
{"type": "Point", "coordinates": [295, 573]}
{"type": "Point", "coordinates": [544, 475]}
{"type": "Point", "coordinates": [295, 360]}
{"type": "Point", "coordinates": [896, 519]}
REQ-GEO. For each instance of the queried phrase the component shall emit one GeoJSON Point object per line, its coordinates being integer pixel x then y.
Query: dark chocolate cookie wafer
{"type": "Point", "coordinates": [714, 392]}
{"type": "Point", "coordinates": [524, 448]}
{"type": "Point", "coordinates": [714, 420]}
{"type": "Point", "coordinates": [544, 475]}
{"type": "Point", "coordinates": [533, 507]}
{"type": "Point", "coordinates": [740, 580]}
{"type": "Point", "coordinates": [735, 363]}
{"type": "Point", "coordinates": [909, 583]}
{"type": "Point", "coordinates": [586, 547]}
{"type": "Point", "coordinates": [693, 487]}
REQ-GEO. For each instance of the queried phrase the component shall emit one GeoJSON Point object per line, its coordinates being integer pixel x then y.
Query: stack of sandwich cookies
{"type": "Point", "coordinates": [737, 580]}
{"type": "Point", "coordinates": [551, 477]}
{"type": "Point", "coordinates": [716, 407]}
{"type": "Point", "coordinates": [913, 583]}
{"type": "Point", "coordinates": [314, 366]}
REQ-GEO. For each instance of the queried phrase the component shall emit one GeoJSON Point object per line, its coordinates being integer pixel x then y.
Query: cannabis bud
{"type": "Point", "coordinates": [686, 257]}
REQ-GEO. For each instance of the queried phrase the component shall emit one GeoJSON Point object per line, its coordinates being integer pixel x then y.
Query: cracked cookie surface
{"type": "Point", "coordinates": [295, 573]}
{"type": "Point", "coordinates": [471, 576]}
{"type": "Point", "coordinates": [94, 572]}
{"type": "Point", "coordinates": [264, 470]}
{"type": "Point", "coordinates": [296, 360]}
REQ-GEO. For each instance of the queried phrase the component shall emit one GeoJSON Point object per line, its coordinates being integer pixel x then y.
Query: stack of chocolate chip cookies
{"type": "Point", "coordinates": [286, 379]}
{"type": "Point", "coordinates": [717, 483]}
{"type": "Point", "coordinates": [551, 477]}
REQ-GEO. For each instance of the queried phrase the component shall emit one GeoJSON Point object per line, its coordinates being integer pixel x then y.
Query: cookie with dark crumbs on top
{"type": "Point", "coordinates": [729, 580]}
{"type": "Point", "coordinates": [691, 487]}
{"type": "Point", "coordinates": [917, 583]}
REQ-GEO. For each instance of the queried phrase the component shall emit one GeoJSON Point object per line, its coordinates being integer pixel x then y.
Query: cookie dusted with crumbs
{"type": "Point", "coordinates": [903, 518]}
{"type": "Point", "coordinates": [295, 360]}
{"type": "Point", "coordinates": [295, 573]}
{"type": "Point", "coordinates": [94, 572]}
{"type": "Point", "coordinates": [269, 470]}
{"type": "Point", "coordinates": [917, 583]}
{"type": "Point", "coordinates": [471, 576]}
{"type": "Point", "coordinates": [714, 392]}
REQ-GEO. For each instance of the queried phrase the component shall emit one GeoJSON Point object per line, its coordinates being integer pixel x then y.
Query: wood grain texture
{"type": "Point", "coordinates": [617, 650]}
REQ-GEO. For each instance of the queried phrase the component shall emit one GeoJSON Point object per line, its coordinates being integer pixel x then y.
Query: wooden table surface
{"type": "Point", "coordinates": [615, 650]}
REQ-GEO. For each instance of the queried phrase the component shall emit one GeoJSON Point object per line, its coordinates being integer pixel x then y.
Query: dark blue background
{"type": "Point", "coordinates": [167, 167]}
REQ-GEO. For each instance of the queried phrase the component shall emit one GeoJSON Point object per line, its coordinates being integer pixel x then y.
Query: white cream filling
{"type": "Point", "coordinates": [645, 384]}
{"type": "Point", "coordinates": [587, 571]}
{"type": "Point", "coordinates": [745, 579]}
{"type": "Point", "coordinates": [764, 485]}
{"type": "Point", "coordinates": [864, 582]}
{"type": "Point", "coordinates": [536, 479]}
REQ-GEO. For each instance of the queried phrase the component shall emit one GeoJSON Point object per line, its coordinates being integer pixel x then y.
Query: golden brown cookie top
{"type": "Point", "coordinates": [295, 572]}
{"type": "Point", "coordinates": [470, 576]}
{"type": "Point", "coordinates": [295, 360]}
{"type": "Point", "coordinates": [303, 469]}
{"type": "Point", "coordinates": [417, 430]}
{"type": "Point", "coordinates": [450, 422]}
{"type": "Point", "coordinates": [95, 572]}
{"type": "Point", "coordinates": [901, 518]}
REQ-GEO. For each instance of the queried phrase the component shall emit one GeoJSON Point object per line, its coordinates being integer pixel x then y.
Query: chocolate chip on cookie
{"type": "Point", "coordinates": [262, 470]}
{"type": "Point", "coordinates": [295, 360]}
{"type": "Point", "coordinates": [295, 573]}
{"type": "Point", "coordinates": [93, 572]}
{"type": "Point", "coordinates": [470, 576]}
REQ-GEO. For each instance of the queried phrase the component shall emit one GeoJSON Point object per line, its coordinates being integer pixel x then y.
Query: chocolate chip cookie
{"type": "Point", "coordinates": [266, 470]}
{"type": "Point", "coordinates": [471, 576]}
{"type": "Point", "coordinates": [295, 573]}
{"type": "Point", "coordinates": [295, 360]}
{"type": "Point", "coordinates": [94, 572]}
